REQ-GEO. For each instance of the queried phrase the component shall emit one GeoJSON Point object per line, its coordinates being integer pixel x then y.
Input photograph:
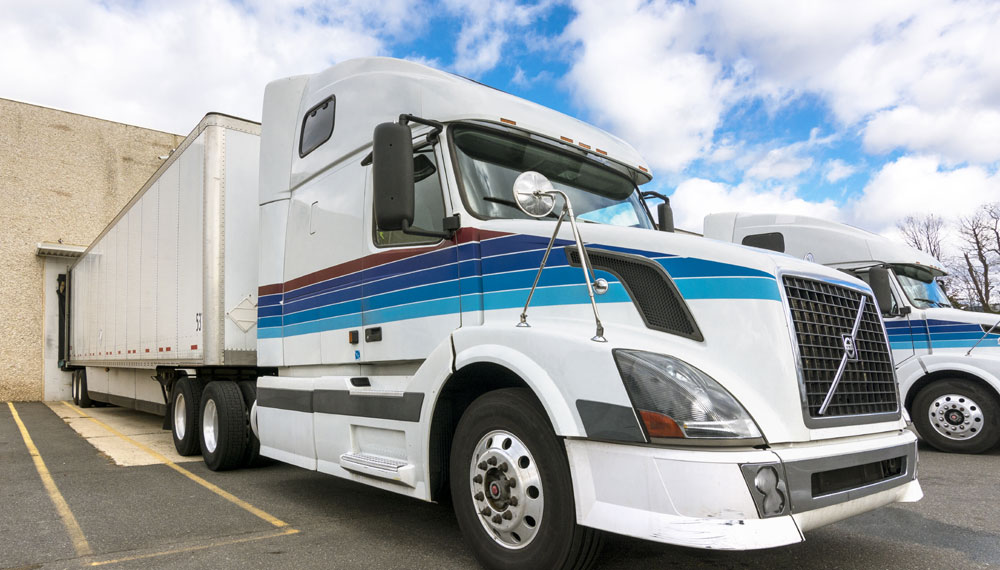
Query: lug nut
{"type": "Point", "coordinates": [507, 515]}
{"type": "Point", "coordinates": [482, 465]}
{"type": "Point", "coordinates": [477, 479]}
{"type": "Point", "coordinates": [512, 501]}
{"type": "Point", "coordinates": [497, 519]}
{"type": "Point", "coordinates": [479, 496]}
{"type": "Point", "coordinates": [504, 466]}
{"type": "Point", "coordinates": [492, 460]}
{"type": "Point", "coordinates": [485, 512]}
{"type": "Point", "coordinates": [511, 483]}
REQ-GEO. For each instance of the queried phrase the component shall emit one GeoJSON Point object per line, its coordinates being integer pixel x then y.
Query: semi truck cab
{"type": "Point", "coordinates": [947, 360]}
{"type": "Point", "coordinates": [462, 293]}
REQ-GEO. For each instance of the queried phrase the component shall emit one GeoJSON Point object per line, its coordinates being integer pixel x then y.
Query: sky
{"type": "Point", "coordinates": [860, 111]}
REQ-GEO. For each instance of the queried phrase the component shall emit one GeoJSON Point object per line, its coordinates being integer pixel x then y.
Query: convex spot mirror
{"type": "Point", "coordinates": [392, 176]}
{"type": "Point", "coordinates": [533, 193]}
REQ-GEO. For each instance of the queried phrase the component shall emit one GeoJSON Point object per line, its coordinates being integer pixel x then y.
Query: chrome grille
{"type": "Point", "coordinates": [822, 314]}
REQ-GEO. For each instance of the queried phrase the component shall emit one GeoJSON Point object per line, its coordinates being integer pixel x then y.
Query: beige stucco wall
{"type": "Point", "coordinates": [62, 177]}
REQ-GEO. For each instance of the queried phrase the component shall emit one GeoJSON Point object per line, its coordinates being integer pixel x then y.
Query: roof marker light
{"type": "Point", "coordinates": [566, 139]}
{"type": "Point", "coordinates": [604, 152]}
{"type": "Point", "coordinates": [586, 146]}
{"type": "Point", "coordinates": [643, 168]}
{"type": "Point", "coordinates": [508, 121]}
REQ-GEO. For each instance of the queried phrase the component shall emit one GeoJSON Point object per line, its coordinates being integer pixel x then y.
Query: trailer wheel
{"type": "Point", "coordinates": [223, 425]}
{"type": "Point", "coordinates": [957, 416]}
{"type": "Point", "coordinates": [511, 487]}
{"type": "Point", "coordinates": [251, 456]}
{"type": "Point", "coordinates": [82, 396]}
{"type": "Point", "coordinates": [75, 386]}
{"type": "Point", "coordinates": [186, 410]}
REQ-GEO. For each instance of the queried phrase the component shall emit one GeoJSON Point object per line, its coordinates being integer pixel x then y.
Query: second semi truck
{"type": "Point", "coordinates": [461, 292]}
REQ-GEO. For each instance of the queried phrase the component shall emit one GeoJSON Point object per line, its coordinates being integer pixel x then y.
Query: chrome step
{"type": "Point", "coordinates": [380, 466]}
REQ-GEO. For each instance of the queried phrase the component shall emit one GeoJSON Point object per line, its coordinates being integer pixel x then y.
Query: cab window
{"type": "Point", "coordinates": [428, 202]}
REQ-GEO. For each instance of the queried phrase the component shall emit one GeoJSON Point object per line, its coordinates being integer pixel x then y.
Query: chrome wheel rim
{"type": "Point", "coordinates": [506, 489]}
{"type": "Point", "coordinates": [180, 416]}
{"type": "Point", "coordinates": [956, 417]}
{"type": "Point", "coordinates": [210, 425]}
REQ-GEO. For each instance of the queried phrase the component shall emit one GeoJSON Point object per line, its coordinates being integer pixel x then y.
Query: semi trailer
{"type": "Point", "coordinates": [458, 292]}
{"type": "Point", "coordinates": [947, 360]}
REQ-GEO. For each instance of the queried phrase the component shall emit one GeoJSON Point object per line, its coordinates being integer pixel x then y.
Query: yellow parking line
{"type": "Point", "coordinates": [80, 543]}
{"type": "Point", "coordinates": [212, 544]}
{"type": "Point", "coordinates": [224, 494]}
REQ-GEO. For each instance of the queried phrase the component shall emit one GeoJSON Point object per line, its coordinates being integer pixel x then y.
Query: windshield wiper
{"type": "Point", "coordinates": [931, 301]}
{"type": "Point", "coordinates": [512, 204]}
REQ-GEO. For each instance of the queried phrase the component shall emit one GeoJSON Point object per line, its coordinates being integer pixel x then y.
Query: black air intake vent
{"type": "Point", "coordinates": [652, 291]}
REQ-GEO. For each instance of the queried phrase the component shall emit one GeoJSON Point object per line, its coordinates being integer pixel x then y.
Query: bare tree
{"type": "Point", "coordinates": [980, 235]}
{"type": "Point", "coordinates": [923, 233]}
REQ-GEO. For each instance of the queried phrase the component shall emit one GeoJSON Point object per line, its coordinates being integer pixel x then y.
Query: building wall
{"type": "Point", "coordinates": [63, 177]}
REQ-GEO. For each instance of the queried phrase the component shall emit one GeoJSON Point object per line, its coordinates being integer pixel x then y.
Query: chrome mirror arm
{"type": "Point", "coordinates": [588, 274]}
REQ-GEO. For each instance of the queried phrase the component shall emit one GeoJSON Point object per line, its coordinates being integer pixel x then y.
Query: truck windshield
{"type": "Point", "coordinates": [920, 287]}
{"type": "Point", "coordinates": [490, 161]}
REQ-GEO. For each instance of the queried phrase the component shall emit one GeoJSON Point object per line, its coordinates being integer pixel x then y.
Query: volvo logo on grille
{"type": "Point", "coordinates": [849, 349]}
{"type": "Point", "coordinates": [850, 354]}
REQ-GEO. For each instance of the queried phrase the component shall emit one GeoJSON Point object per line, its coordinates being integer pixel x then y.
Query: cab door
{"type": "Point", "coordinates": [410, 290]}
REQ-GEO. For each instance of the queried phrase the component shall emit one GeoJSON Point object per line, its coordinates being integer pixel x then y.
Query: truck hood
{"type": "Point", "coordinates": [735, 296]}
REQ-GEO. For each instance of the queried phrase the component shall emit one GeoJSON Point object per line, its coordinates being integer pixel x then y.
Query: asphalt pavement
{"type": "Point", "coordinates": [181, 515]}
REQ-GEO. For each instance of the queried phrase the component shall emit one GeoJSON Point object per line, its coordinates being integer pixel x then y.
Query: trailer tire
{"type": "Point", "coordinates": [74, 386]}
{"type": "Point", "coordinates": [82, 395]}
{"type": "Point", "coordinates": [251, 455]}
{"type": "Point", "coordinates": [505, 436]}
{"type": "Point", "coordinates": [224, 425]}
{"type": "Point", "coordinates": [186, 415]}
{"type": "Point", "coordinates": [971, 423]}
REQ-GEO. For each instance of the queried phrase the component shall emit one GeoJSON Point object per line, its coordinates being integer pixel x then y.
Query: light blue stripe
{"type": "Point", "coordinates": [729, 288]}
{"type": "Point", "coordinates": [324, 325]}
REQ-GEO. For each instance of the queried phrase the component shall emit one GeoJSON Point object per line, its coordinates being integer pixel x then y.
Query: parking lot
{"type": "Point", "coordinates": [102, 488]}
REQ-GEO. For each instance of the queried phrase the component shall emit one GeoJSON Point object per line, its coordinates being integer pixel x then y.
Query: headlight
{"type": "Point", "coordinates": [675, 399]}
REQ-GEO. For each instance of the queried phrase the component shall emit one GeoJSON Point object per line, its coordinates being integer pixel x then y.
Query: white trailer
{"type": "Point", "coordinates": [171, 284]}
{"type": "Point", "coordinates": [461, 291]}
{"type": "Point", "coordinates": [947, 360]}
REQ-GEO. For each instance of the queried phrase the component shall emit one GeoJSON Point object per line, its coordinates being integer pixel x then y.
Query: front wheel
{"type": "Point", "coordinates": [511, 487]}
{"type": "Point", "coordinates": [957, 416]}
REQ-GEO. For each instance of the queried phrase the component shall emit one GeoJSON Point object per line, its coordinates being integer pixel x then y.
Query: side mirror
{"type": "Point", "coordinates": [878, 278]}
{"type": "Point", "coordinates": [664, 214]}
{"type": "Point", "coordinates": [392, 176]}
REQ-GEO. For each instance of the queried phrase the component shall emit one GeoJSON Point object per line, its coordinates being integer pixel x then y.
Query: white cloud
{"type": "Point", "coordinates": [836, 170]}
{"type": "Point", "coordinates": [957, 134]}
{"type": "Point", "coordinates": [486, 30]}
{"type": "Point", "coordinates": [696, 197]}
{"type": "Point", "coordinates": [918, 186]}
{"type": "Point", "coordinates": [780, 163]}
{"type": "Point", "coordinates": [164, 65]}
{"type": "Point", "coordinates": [921, 75]}
{"type": "Point", "coordinates": [638, 71]}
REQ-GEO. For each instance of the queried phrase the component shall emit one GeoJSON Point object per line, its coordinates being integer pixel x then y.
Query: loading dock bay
{"type": "Point", "coordinates": [102, 488]}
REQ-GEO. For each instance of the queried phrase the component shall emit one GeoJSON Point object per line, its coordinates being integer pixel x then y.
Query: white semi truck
{"type": "Point", "coordinates": [947, 360]}
{"type": "Point", "coordinates": [458, 291]}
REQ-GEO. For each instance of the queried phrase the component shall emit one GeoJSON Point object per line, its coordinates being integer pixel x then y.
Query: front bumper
{"type": "Point", "coordinates": [702, 497]}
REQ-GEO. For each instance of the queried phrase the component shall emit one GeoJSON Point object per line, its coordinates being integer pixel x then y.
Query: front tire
{"type": "Point", "coordinates": [957, 415]}
{"type": "Point", "coordinates": [512, 490]}
{"type": "Point", "coordinates": [223, 425]}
